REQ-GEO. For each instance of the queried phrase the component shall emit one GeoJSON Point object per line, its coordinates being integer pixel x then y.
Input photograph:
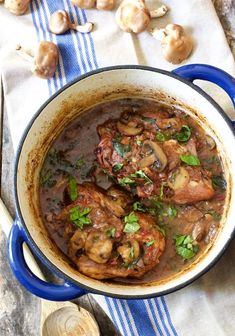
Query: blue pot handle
{"type": "Point", "coordinates": [208, 73]}
{"type": "Point", "coordinates": [31, 282]}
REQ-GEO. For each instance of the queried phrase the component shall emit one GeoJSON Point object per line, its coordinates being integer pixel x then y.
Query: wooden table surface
{"type": "Point", "coordinates": [19, 310]}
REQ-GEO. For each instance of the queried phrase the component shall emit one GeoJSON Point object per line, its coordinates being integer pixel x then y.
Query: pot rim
{"type": "Point", "coordinates": [31, 241]}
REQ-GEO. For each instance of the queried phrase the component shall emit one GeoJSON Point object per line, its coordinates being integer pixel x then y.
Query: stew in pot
{"type": "Point", "coordinates": [136, 198]}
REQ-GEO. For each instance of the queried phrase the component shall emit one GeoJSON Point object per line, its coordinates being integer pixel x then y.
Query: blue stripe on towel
{"type": "Point", "coordinates": [132, 317]}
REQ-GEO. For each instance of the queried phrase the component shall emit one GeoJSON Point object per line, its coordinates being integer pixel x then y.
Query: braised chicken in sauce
{"type": "Point", "coordinates": [134, 195]}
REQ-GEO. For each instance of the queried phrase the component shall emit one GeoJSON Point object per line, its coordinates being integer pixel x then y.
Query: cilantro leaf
{"type": "Point", "coordinates": [73, 193]}
{"type": "Point", "coordinates": [185, 246]}
{"type": "Point", "coordinates": [110, 232]}
{"type": "Point", "coordinates": [141, 174]}
{"type": "Point", "coordinates": [184, 135]}
{"type": "Point", "coordinates": [191, 160]}
{"type": "Point", "coordinates": [117, 167]}
{"type": "Point", "coordinates": [172, 211]}
{"type": "Point", "coordinates": [79, 217]}
{"type": "Point", "coordinates": [160, 136]}
{"type": "Point", "coordinates": [138, 206]}
{"type": "Point", "coordinates": [125, 181]}
{"type": "Point", "coordinates": [132, 224]}
{"type": "Point", "coordinates": [120, 148]}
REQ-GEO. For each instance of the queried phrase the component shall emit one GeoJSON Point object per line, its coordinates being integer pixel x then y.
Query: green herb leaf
{"type": "Point", "coordinates": [132, 224]}
{"type": "Point", "coordinates": [141, 174]}
{"type": "Point", "coordinates": [80, 163]}
{"type": "Point", "coordinates": [125, 181]}
{"type": "Point", "coordinates": [150, 243]}
{"type": "Point", "coordinates": [79, 217]}
{"type": "Point", "coordinates": [219, 182]}
{"type": "Point", "coordinates": [184, 135]}
{"type": "Point", "coordinates": [138, 142]}
{"type": "Point", "coordinates": [184, 246]}
{"type": "Point", "coordinates": [149, 120]}
{"type": "Point", "coordinates": [117, 167]}
{"type": "Point", "coordinates": [120, 148]}
{"type": "Point", "coordinates": [161, 137]}
{"type": "Point", "coordinates": [73, 193]}
{"type": "Point", "coordinates": [172, 211]}
{"type": "Point", "coordinates": [162, 230]}
{"type": "Point", "coordinates": [191, 160]}
{"type": "Point", "coordinates": [138, 206]}
{"type": "Point", "coordinates": [46, 179]}
{"type": "Point", "coordinates": [110, 232]}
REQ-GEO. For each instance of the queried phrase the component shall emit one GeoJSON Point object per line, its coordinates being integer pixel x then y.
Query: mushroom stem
{"type": "Point", "coordinates": [25, 53]}
{"type": "Point", "coordinates": [158, 34]}
{"type": "Point", "coordinates": [86, 28]}
{"type": "Point", "coordinates": [158, 12]}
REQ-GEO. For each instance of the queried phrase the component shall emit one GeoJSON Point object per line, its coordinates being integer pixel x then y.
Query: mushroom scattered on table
{"type": "Point", "coordinates": [17, 7]}
{"type": "Point", "coordinates": [175, 44]}
{"type": "Point", "coordinates": [134, 16]}
{"type": "Point", "coordinates": [59, 23]}
{"type": "Point", "coordinates": [44, 61]}
{"type": "Point", "coordinates": [99, 4]}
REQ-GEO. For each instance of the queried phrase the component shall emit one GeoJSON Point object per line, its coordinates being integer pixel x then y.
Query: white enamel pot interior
{"type": "Point", "coordinates": [100, 86]}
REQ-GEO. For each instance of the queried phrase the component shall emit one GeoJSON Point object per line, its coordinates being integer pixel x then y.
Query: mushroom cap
{"type": "Point", "coordinates": [46, 60]}
{"type": "Point", "coordinates": [17, 7]}
{"type": "Point", "coordinates": [105, 4]}
{"type": "Point", "coordinates": [86, 4]}
{"type": "Point", "coordinates": [59, 22]}
{"type": "Point", "coordinates": [133, 16]}
{"type": "Point", "coordinates": [176, 45]}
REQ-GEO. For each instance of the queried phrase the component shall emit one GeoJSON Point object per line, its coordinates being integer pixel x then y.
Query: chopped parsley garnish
{"type": "Point", "coordinates": [150, 243]}
{"type": "Point", "coordinates": [120, 148]}
{"type": "Point", "coordinates": [125, 181]}
{"type": "Point", "coordinates": [184, 135]}
{"type": "Point", "coordinates": [191, 160]}
{"type": "Point", "coordinates": [141, 174]}
{"type": "Point", "coordinates": [161, 137]}
{"type": "Point", "coordinates": [185, 246]}
{"type": "Point", "coordinates": [218, 182]}
{"type": "Point", "coordinates": [138, 206]}
{"type": "Point", "coordinates": [172, 211]}
{"type": "Point", "coordinates": [73, 193]}
{"type": "Point", "coordinates": [110, 232]}
{"type": "Point", "coordinates": [80, 163]}
{"type": "Point", "coordinates": [47, 180]}
{"type": "Point", "coordinates": [79, 217]}
{"type": "Point", "coordinates": [117, 167]}
{"type": "Point", "coordinates": [131, 223]}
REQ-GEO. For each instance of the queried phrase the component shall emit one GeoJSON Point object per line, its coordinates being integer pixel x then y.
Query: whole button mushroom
{"type": "Point", "coordinates": [17, 7]}
{"type": "Point", "coordinates": [59, 23]}
{"type": "Point", "coordinates": [45, 60]}
{"type": "Point", "coordinates": [134, 16]}
{"type": "Point", "coordinates": [175, 44]}
{"type": "Point", "coordinates": [99, 4]}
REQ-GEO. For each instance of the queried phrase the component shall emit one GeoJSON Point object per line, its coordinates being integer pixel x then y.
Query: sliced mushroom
{"type": "Point", "coordinates": [175, 44]}
{"type": "Point", "coordinates": [155, 154]}
{"type": "Point", "coordinates": [178, 179]}
{"type": "Point", "coordinates": [59, 23]}
{"type": "Point", "coordinates": [159, 12]}
{"type": "Point", "coordinates": [17, 7]}
{"type": "Point", "coordinates": [129, 251]}
{"type": "Point", "coordinates": [45, 60]}
{"type": "Point", "coordinates": [77, 242]}
{"type": "Point", "coordinates": [128, 129]}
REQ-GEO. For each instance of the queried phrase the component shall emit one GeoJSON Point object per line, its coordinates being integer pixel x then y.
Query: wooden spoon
{"type": "Point", "coordinates": [57, 318]}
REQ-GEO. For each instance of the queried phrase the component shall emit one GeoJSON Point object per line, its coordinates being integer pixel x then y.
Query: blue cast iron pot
{"type": "Point", "coordinates": [101, 85]}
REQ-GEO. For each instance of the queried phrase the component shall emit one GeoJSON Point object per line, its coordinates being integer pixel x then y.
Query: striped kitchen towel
{"type": "Point", "coordinates": [206, 307]}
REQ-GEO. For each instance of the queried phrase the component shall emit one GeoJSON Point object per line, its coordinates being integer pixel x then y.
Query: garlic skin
{"type": "Point", "coordinates": [45, 60]}
{"type": "Point", "coordinates": [175, 44]}
{"type": "Point", "coordinates": [133, 16]}
{"type": "Point", "coordinates": [17, 7]}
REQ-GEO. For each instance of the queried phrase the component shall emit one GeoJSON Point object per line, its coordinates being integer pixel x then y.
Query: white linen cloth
{"type": "Point", "coordinates": [206, 307]}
